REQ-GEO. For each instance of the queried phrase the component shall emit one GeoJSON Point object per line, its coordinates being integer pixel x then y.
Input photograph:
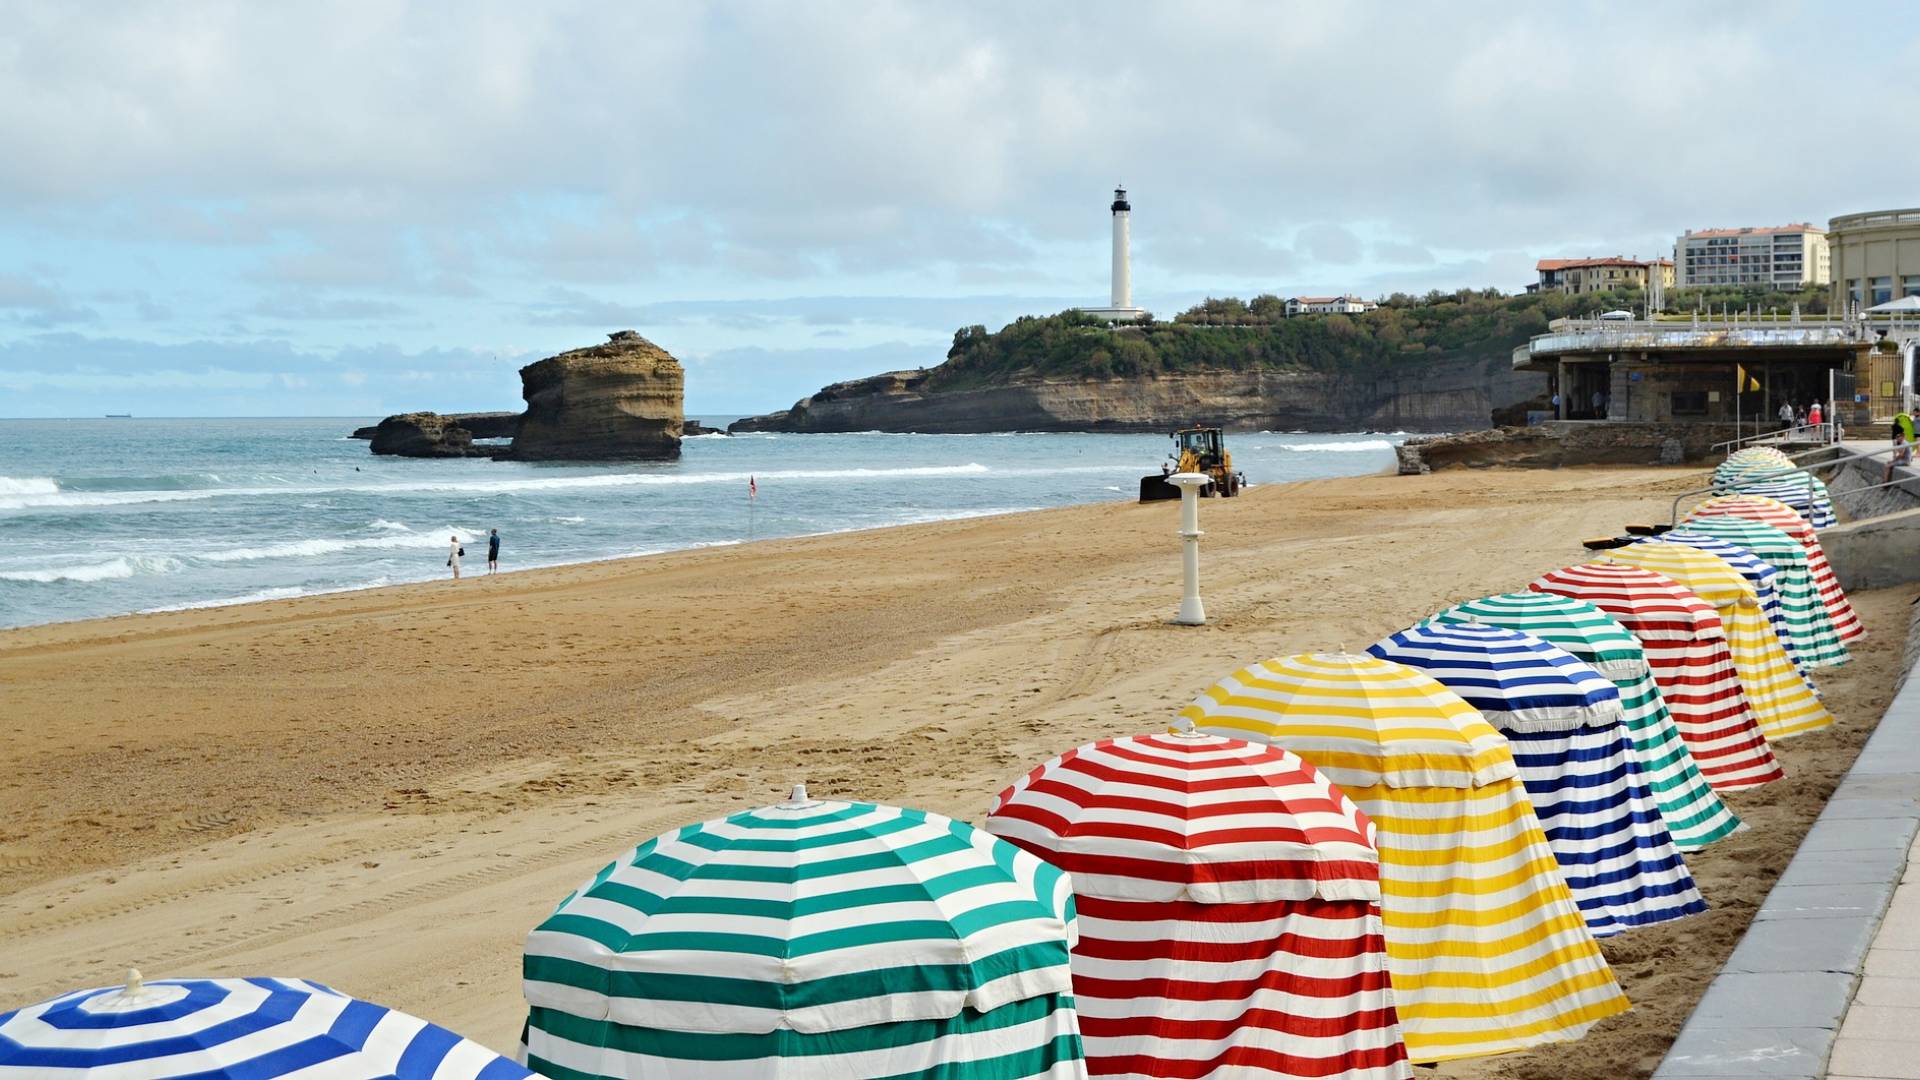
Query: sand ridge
{"type": "Point", "coordinates": [385, 790]}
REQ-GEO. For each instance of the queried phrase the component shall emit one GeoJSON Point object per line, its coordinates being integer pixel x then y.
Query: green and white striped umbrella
{"type": "Point", "coordinates": [1816, 639]}
{"type": "Point", "coordinates": [811, 939]}
{"type": "Point", "coordinates": [1694, 814]}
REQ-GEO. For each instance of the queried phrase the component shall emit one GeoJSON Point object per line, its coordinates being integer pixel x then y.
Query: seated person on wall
{"type": "Point", "coordinates": [1903, 445]}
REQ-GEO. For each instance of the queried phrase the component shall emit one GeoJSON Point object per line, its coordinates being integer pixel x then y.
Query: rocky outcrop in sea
{"type": "Point", "coordinates": [424, 434]}
{"type": "Point", "coordinates": [617, 401]}
{"type": "Point", "coordinates": [621, 401]}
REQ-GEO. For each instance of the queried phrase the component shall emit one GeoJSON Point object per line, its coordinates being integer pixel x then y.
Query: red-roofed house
{"type": "Point", "coordinates": [1327, 305]}
{"type": "Point", "coordinates": [1580, 276]}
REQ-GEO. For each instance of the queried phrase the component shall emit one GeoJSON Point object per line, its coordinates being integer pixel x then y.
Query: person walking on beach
{"type": "Point", "coordinates": [1786, 415]}
{"type": "Point", "coordinates": [454, 551]}
{"type": "Point", "coordinates": [1814, 417]}
{"type": "Point", "coordinates": [493, 552]}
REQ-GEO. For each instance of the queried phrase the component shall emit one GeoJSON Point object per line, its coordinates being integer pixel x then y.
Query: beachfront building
{"type": "Point", "coordinates": [1327, 305]}
{"type": "Point", "coordinates": [1120, 300]}
{"type": "Point", "coordinates": [1784, 257]}
{"type": "Point", "coordinates": [1876, 257]}
{"type": "Point", "coordinates": [1640, 372]}
{"type": "Point", "coordinates": [1581, 276]}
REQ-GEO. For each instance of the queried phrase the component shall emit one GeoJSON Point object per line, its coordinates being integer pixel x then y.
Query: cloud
{"type": "Point", "coordinates": [29, 302]}
{"type": "Point", "coordinates": [297, 307]}
{"type": "Point", "coordinates": [1333, 244]}
{"type": "Point", "coordinates": [525, 174]}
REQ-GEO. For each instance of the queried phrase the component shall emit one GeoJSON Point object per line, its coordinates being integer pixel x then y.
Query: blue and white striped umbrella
{"type": "Point", "coordinates": [212, 1029]}
{"type": "Point", "coordinates": [1762, 576]}
{"type": "Point", "coordinates": [1576, 760]}
{"type": "Point", "coordinates": [1517, 681]}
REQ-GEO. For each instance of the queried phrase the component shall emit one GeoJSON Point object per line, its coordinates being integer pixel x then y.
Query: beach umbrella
{"type": "Point", "coordinates": [813, 939]}
{"type": "Point", "coordinates": [1229, 909]}
{"type": "Point", "coordinates": [1783, 517]}
{"type": "Point", "coordinates": [1686, 646]}
{"type": "Point", "coordinates": [1782, 700]}
{"type": "Point", "coordinates": [1487, 949]}
{"type": "Point", "coordinates": [1694, 814]}
{"type": "Point", "coordinates": [240, 1028]}
{"type": "Point", "coordinates": [1760, 576]}
{"type": "Point", "coordinates": [1802, 491]}
{"type": "Point", "coordinates": [1809, 623]}
{"type": "Point", "coordinates": [1562, 719]}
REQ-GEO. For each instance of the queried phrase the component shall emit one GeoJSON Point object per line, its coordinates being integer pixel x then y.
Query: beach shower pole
{"type": "Point", "coordinates": [1191, 612]}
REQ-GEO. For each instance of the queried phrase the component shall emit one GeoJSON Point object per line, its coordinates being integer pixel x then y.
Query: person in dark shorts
{"type": "Point", "coordinates": [493, 551]}
{"type": "Point", "coordinates": [1902, 445]}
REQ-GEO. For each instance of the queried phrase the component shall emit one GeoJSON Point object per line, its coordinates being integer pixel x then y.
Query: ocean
{"type": "Point", "coordinates": [111, 516]}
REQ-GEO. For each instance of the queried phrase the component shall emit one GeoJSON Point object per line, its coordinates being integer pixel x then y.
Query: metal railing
{"type": "Point", "coordinates": [1821, 433]}
{"type": "Point", "coordinates": [1847, 455]}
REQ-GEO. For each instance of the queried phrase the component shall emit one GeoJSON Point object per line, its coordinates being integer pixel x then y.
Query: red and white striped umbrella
{"type": "Point", "coordinates": [1687, 649]}
{"type": "Point", "coordinates": [1788, 520]}
{"type": "Point", "coordinates": [1228, 898]}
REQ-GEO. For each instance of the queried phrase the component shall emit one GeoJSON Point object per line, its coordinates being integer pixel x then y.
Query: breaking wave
{"type": "Point", "coordinates": [110, 570]}
{"type": "Point", "coordinates": [32, 485]}
{"type": "Point", "coordinates": [1357, 446]}
{"type": "Point", "coordinates": [307, 549]}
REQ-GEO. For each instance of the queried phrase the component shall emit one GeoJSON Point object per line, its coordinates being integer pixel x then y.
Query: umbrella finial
{"type": "Point", "coordinates": [798, 797]}
{"type": "Point", "coordinates": [135, 984]}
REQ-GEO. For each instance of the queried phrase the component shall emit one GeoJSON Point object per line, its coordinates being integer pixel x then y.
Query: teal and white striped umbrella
{"type": "Point", "coordinates": [1695, 815]}
{"type": "Point", "coordinates": [811, 939]}
{"type": "Point", "coordinates": [1809, 622]}
{"type": "Point", "coordinates": [1803, 491]}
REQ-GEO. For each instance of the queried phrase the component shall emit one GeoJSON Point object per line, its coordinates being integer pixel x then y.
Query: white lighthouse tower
{"type": "Point", "coordinates": [1120, 306]}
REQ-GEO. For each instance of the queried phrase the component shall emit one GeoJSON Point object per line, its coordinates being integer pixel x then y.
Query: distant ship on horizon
{"type": "Point", "coordinates": [119, 416]}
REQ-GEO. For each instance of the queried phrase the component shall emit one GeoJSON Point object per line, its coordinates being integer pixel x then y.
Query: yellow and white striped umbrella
{"type": "Point", "coordinates": [1487, 950]}
{"type": "Point", "coordinates": [1783, 701]}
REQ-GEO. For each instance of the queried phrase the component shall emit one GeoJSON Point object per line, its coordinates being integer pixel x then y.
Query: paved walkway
{"type": "Point", "coordinates": [1880, 1036]}
{"type": "Point", "coordinates": [1828, 974]}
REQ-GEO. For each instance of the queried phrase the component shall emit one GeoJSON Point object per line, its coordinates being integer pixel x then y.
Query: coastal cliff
{"type": "Point", "coordinates": [1442, 362]}
{"type": "Point", "coordinates": [621, 400]}
{"type": "Point", "coordinates": [1436, 395]}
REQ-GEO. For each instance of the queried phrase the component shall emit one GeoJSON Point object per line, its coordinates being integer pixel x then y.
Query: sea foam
{"type": "Point", "coordinates": [32, 485]}
{"type": "Point", "coordinates": [110, 570]}
{"type": "Point", "coordinates": [1355, 447]}
{"type": "Point", "coordinates": [317, 546]}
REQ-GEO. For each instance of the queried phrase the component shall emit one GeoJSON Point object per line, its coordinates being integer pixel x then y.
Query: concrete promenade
{"type": "Point", "coordinates": [1826, 982]}
{"type": "Point", "coordinates": [1879, 1036]}
{"type": "Point", "coordinates": [1793, 993]}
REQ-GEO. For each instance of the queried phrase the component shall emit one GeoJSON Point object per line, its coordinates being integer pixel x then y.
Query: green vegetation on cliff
{"type": "Point", "coordinates": [1229, 334]}
{"type": "Point", "coordinates": [1235, 335]}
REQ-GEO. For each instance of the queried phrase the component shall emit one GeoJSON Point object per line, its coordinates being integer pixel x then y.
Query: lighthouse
{"type": "Point", "coordinates": [1120, 303]}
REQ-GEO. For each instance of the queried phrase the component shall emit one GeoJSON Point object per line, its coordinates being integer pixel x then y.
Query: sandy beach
{"type": "Point", "coordinates": [385, 790]}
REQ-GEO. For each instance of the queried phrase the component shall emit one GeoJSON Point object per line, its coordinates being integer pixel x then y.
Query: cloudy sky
{"type": "Point", "coordinates": [351, 209]}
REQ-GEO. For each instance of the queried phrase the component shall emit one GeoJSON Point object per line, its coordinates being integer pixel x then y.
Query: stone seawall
{"type": "Point", "coordinates": [1879, 545]}
{"type": "Point", "coordinates": [1567, 442]}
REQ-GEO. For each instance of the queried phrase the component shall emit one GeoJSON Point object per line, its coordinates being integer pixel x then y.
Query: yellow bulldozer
{"type": "Point", "coordinates": [1196, 450]}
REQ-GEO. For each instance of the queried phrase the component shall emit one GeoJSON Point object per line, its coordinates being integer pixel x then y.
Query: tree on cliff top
{"type": "Point", "coordinates": [1228, 334]}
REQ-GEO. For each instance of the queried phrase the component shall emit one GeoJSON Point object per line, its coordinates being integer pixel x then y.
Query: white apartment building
{"type": "Point", "coordinates": [1786, 257]}
{"type": "Point", "coordinates": [1327, 305]}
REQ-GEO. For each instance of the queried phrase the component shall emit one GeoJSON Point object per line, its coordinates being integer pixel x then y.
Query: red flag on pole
{"type": "Point", "coordinates": [753, 489]}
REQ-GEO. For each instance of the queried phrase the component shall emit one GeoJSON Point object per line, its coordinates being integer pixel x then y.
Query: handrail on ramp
{"type": "Point", "coordinates": [1848, 454]}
